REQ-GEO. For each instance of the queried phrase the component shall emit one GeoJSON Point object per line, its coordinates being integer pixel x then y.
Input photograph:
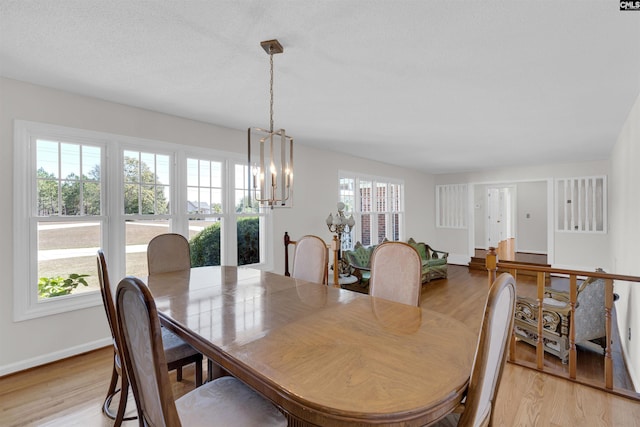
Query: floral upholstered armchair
{"type": "Point", "coordinates": [556, 312]}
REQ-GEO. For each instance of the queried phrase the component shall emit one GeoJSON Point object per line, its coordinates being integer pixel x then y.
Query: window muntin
{"type": "Point", "coordinates": [377, 205]}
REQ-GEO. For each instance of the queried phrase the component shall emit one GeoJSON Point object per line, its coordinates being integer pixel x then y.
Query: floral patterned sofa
{"type": "Point", "coordinates": [434, 263]}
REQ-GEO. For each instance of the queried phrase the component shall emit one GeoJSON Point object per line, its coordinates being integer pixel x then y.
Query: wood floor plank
{"type": "Point", "coordinates": [70, 392]}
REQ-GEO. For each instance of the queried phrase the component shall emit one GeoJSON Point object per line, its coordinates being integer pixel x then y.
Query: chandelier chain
{"type": "Point", "coordinates": [271, 93]}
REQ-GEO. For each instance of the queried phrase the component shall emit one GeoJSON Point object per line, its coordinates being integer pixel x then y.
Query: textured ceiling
{"type": "Point", "coordinates": [440, 86]}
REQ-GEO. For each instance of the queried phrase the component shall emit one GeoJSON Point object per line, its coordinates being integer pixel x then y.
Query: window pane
{"type": "Point", "coordinates": [248, 240]}
{"type": "Point", "coordinates": [382, 227]}
{"type": "Point", "coordinates": [131, 167]}
{"type": "Point", "coordinates": [395, 224]}
{"type": "Point", "coordinates": [47, 157]}
{"type": "Point", "coordinates": [147, 168]}
{"type": "Point", "coordinates": [69, 160]}
{"type": "Point", "coordinates": [241, 191]}
{"type": "Point", "coordinates": [91, 198]}
{"type": "Point", "coordinates": [381, 197]}
{"type": "Point", "coordinates": [91, 163]}
{"type": "Point", "coordinates": [192, 172]}
{"type": "Point", "coordinates": [204, 240]}
{"type": "Point", "coordinates": [138, 234]}
{"type": "Point", "coordinates": [365, 229]}
{"type": "Point", "coordinates": [347, 194]}
{"type": "Point", "coordinates": [65, 250]}
{"type": "Point", "coordinates": [70, 198]}
{"type": "Point", "coordinates": [148, 198]}
{"type": "Point", "coordinates": [365, 196]}
{"type": "Point", "coordinates": [47, 197]}
{"type": "Point", "coordinates": [163, 202]}
{"type": "Point", "coordinates": [163, 170]}
{"type": "Point", "coordinates": [205, 174]}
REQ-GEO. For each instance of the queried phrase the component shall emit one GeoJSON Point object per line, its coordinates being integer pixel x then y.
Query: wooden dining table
{"type": "Point", "coordinates": [324, 355]}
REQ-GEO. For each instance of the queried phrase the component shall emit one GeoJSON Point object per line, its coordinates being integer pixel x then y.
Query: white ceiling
{"type": "Point", "coordinates": [440, 86]}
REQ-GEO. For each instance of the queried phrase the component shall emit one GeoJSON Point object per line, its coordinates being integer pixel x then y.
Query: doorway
{"type": "Point", "coordinates": [501, 214]}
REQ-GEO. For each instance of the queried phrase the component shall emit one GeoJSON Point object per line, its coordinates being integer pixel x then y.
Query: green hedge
{"type": "Point", "coordinates": [205, 246]}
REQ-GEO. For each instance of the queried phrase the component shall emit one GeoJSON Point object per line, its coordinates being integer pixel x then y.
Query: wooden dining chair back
{"type": "Point", "coordinates": [168, 252]}
{"type": "Point", "coordinates": [177, 352]}
{"type": "Point", "coordinates": [221, 402]}
{"type": "Point", "coordinates": [310, 259]}
{"type": "Point", "coordinates": [117, 371]}
{"type": "Point", "coordinates": [491, 353]}
{"type": "Point", "coordinates": [396, 271]}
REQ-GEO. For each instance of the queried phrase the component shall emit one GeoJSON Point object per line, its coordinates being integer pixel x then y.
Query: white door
{"type": "Point", "coordinates": [500, 214]}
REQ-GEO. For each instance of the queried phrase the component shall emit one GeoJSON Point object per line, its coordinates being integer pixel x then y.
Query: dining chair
{"type": "Point", "coordinates": [490, 358]}
{"type": "Point", "coordinates": [168, 252]}
{"type": "Point", "coordinates": [171, 252]}
{"type": "Point", "coordinates": [177, 352]}
{"type": "Point", "coordinates": [225, 401]}
{"type": "Point", "coordinates": [396, 273]}
{"type": "Point", "coordinates": [310, 259]}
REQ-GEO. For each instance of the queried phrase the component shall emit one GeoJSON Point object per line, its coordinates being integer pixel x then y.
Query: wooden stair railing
{"type": "Point", "coordinates": [493, 264]}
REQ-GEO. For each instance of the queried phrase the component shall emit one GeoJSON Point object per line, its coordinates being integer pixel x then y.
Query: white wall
{"type": "Point", "coordinates": [32, 342]}
{"type": "Point", "coordinates": [566, 250]}
{"type": "Point", "coordinates": [531, 216]}
{"type": "Point", "coordinates": [624, 199]}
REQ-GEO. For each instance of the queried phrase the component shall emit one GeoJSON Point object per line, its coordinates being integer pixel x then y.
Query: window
{"type": "Point", "coordinates": [581, 204]}
{"type": "Point", "coordinates": [451, 206]}
{"type": "Point", "coordinates": [86, 190]}
{"type": "Point", "coordinates": [377, 204]}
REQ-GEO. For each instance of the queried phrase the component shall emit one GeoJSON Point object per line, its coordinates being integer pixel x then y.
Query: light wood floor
{"type": "Point", "coordinates": [70, 392]}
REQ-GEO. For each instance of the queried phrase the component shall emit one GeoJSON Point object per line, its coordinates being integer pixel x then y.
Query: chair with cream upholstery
{"type": "Point", "coordinates": [490, 357]}
{"type": "Point", "coordinates": [168, 252]}
{"type": "Point", "coordinates": [396, 270]}
{"type": "Point", "coordinates": [177, 352]}
{"type": "Point", "coordinates": [310, 259]}
{"type": "Point", "coordinates": [222, 402]}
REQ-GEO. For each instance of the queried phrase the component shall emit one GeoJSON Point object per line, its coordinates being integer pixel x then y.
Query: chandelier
{"type": "Point", "coordinates": [270, 153]}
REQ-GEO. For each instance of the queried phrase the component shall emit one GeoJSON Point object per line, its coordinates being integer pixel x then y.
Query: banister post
{"type": "Point", "coordinates": [491, 262]}
{"type": "Point", "coordinates": [608, 361]}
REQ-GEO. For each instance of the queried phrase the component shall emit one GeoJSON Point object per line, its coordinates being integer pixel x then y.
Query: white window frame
{"type": "Point", "coordinates": [452, 206]}
{"type": "Point", "coordinates": [25, 297]}
{"type": "Point", "coordinates": [358, 213]}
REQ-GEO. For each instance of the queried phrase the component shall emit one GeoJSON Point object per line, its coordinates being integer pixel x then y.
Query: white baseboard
{"type": "Point", "coordinates": [458, 259]}
{"type": "Point", "coordinates": [52, 357]}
